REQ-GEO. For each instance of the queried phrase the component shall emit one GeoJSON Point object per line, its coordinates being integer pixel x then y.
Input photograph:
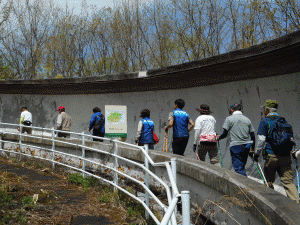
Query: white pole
{"type": "Point", "coordinates": [83, 153]}
{"type": "Point", "coordinates": [174, 173]}
{"type": "Point", "coordinates": [185, 198]}
{"type": "Point", "coordinates": [53, 148]}
{"type": "Point", "coordinates": [146, 180]}
{"type": "Point", "coordinates": [20, 141]}
{"type": "Point", "coordinates": [116, 165]}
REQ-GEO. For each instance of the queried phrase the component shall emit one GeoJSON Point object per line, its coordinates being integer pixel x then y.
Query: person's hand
{"type": "Point", "coordinates": [136, 140]}
{"type": "Point", "coordinates": [194, 147]}
{"type": "Point", "coordinates": [295, 153]}
{"type": "Point", "coordinates": [218, 137]}
{"type": "Point", "coordinates": [18, 129]}
{"type": "Point", "coordinates": [254, 155]}
{"type": "Point", "coordinates": [166, 129]}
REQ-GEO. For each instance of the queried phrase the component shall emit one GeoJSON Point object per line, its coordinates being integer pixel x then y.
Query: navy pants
{"type": "Point", "coordinates": [239, 156]}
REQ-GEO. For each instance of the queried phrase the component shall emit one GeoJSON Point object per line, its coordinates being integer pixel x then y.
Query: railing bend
{"type": "Point", "coordinates": [49, 134]}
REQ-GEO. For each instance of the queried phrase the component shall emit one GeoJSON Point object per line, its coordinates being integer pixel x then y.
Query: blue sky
{"type": "Point", "coordinates": [76, 4]}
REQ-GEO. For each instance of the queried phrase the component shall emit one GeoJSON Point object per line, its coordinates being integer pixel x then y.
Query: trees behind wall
{"type": "Point", "coordinates": [41, 40]}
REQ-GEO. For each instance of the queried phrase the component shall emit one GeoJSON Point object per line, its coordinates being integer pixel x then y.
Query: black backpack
{"type": "Point", "coordinates": [280, 136]}
{"type": "Point", "coordinates": [99, 123]}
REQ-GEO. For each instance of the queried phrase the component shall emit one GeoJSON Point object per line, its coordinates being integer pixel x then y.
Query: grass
{"type": "Point", "coordinates": [9, 213]}
{"type": "Point", "coordinates": [86, 182]}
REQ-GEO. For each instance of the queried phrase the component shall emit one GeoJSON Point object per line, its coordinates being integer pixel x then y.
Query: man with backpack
{"type": "Point", "coordinates": [275, 140]}
{"type": "Point", "coordinates": [97, 124]}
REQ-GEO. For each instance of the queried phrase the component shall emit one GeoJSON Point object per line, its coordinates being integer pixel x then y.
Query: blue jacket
{"type": "Point", "coordinates": [147, 131]}
{"type": "Point", "coordinates": [180, 123]}
{"type": "Point", "coordinates": [94, 119]}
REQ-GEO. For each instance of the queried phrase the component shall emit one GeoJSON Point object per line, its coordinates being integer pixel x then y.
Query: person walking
{"type": "Point", "coordinates": [64, 122]}
{"type": "Point", "coordinates": [26, 120]}
{"type": "Point", "coordinates": [145, 130]}
{"type": "Point", "coordinates": [275, 141]}
{"type": "Point", "coordinates": [205, 135]}
{"type": "Point", "coordinates": [97, 124]}
{"type": "Point", "coordinates": [242, 137]}
{"type": "Point", "coordinates": [179, 120]}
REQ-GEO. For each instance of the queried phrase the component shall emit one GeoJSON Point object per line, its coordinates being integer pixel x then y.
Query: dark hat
{"type": "Point", "coordinates": [271, 104]}
{"type": "Point", "coordinates": [204, 108]}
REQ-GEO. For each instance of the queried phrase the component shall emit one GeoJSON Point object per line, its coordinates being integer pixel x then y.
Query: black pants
{"type": "Point", "coordinates": [64, 135]}
{"type": "Point", "coordinates": [98, 134]}
{"type": "Point", "coordinates": [179, 144]}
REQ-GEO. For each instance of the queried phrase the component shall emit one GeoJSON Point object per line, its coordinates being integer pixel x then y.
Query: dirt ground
{"type": "Point", "coordinates": [59, 200]}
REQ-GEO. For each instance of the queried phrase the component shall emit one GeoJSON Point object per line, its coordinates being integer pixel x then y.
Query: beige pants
{"type": "Point", "coordinates": [281, 165]}
{"type": "Point", "coordinates": [211, 149]}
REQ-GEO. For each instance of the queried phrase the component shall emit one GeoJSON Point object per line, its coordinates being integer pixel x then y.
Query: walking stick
{"type": "Point", "coordinates": [221, 159]}
{"type": "Point", "coordinates": [259, 170]}
{"type": "Point", "coordinates": [297, 172]}
{"type": "Point", "coordinates": [165, 146]}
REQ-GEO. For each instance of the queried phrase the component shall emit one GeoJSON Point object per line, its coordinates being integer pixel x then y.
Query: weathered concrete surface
{"type": "Point", "coordinates": [223, 195]}
{"type": "Point", "coordinates": [252, 93]}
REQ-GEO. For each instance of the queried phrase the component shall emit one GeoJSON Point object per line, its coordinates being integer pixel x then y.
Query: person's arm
{"type": "Point", "coordinates": [171, 121]}
{"type": "Point", "coordinates": [139, 132]}
{"type": "Point", "coordinates": [262, 133]}
{"type": "Point", "coordinates": [192, 125]}
{"type": "Point", "coordinates": [223, 135]}
{"type": "Point", "coordinates": [252, 135]}
{"type": "Point", "coordinates": [59, 121]}
{"type": "Point", "coordinates": [21, 120]}
{"type": "Point", "coordinates": [92, 122]}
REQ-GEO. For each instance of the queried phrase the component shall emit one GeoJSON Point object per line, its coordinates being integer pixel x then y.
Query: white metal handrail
{"type": "Point", "coordinates": [170, 211]}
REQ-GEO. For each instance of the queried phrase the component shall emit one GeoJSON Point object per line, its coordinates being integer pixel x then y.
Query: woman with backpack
{"type": "Point", "coordinates": [145, 130]}
{"type": "Point", "coordinates": [97, 124]}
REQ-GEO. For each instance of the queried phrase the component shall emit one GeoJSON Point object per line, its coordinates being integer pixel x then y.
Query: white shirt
{"type": "Point", "coordinates": [27, 116]}
{"type": "Point", "coordinates": [204, 125]}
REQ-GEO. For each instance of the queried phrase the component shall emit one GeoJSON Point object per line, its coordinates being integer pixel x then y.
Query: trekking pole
{"type": "Point", "coordinates": [297, 172]}
{"type": "Point", "coordinates": [165, 146]}
{"type": "Point", "coordinates": [259, 170]}
{"type": "Point", "coordinates": [221, 159]}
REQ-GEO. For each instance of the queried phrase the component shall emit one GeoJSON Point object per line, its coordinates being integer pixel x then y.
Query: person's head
{"type": "Point", "coordinates": [96, 109]}
{"type": "Point", "coordinates": [179, 103]}
{"type": "Point", "coordinates": [235, 107]}
{"type": "Point", "coordinates": [204, 109]}
{"type": "Point", "coordinates": [145, 113]}
{"type": "Point", "coordinates": [61, 109]}
{"type": "Point", "coordinates": [270, 106]}
{"type": "Point", "coordinates": [24, 108]}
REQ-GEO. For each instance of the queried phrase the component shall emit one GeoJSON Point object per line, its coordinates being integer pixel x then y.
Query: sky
{"type": "Point", "coordinates": [76, 4]}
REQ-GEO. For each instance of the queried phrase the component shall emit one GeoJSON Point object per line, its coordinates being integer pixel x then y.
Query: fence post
{"type": "Point", "coordinates": [185, 198]}
{"type": "Point", "coordinates": [53, 148]}
{"type": "Point", "coordinates": [83, 153]}
{"type": "Point", "coordinates": [116, 165]}
{"type": "Point", "coordinates": [146, 181]}
{"type": "Point", "coordinates": [174, 173]}
{"type": "Point", "coordinates": [20, 141]}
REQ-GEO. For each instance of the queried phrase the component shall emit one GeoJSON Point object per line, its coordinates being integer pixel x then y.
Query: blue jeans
{"type": "Point", "coordinates": [239, 156]}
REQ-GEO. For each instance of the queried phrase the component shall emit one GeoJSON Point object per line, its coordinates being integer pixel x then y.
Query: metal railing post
{"type": "Point", "coordinates": [53, 148]}
{"type": "Point", "coordinates": [185, 198]}
{"type": "Point", "coordinates": [174, 173]}
{"type": "Point", "coordinates": [147, 180]}
{"type": "Point", "coordinates": [20, 141]}
{"type": "Point", "coordinates": [83, 153]}
{"type": "Point", "coordinates": [116, 165]}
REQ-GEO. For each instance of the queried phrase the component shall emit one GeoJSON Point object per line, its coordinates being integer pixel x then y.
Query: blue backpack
{"type": "Point", "coordinates": [280, 136]}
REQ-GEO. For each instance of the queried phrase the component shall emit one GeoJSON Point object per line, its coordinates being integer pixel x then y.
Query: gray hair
{"type": "Point", "coordinates": [272, 110]}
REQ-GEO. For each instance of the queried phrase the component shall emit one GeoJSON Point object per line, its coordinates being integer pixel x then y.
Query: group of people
{"type": "Point", "coordinates": [275, 147]}
{"type": "Point", "coordinates": [64, 122]}
{"type": "Point", "coordinates": [276, 153]}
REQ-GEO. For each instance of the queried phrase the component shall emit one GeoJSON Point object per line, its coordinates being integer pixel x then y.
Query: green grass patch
{"type": "Point", "coordinates": [86, 182]}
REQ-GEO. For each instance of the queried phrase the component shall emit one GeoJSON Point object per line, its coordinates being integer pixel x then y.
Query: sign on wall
{"type": "Point", "coordinates": [115, 121]}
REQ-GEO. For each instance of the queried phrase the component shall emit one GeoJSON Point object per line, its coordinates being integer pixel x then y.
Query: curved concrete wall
{"type": "Point", "coordinates": [251, 93]}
